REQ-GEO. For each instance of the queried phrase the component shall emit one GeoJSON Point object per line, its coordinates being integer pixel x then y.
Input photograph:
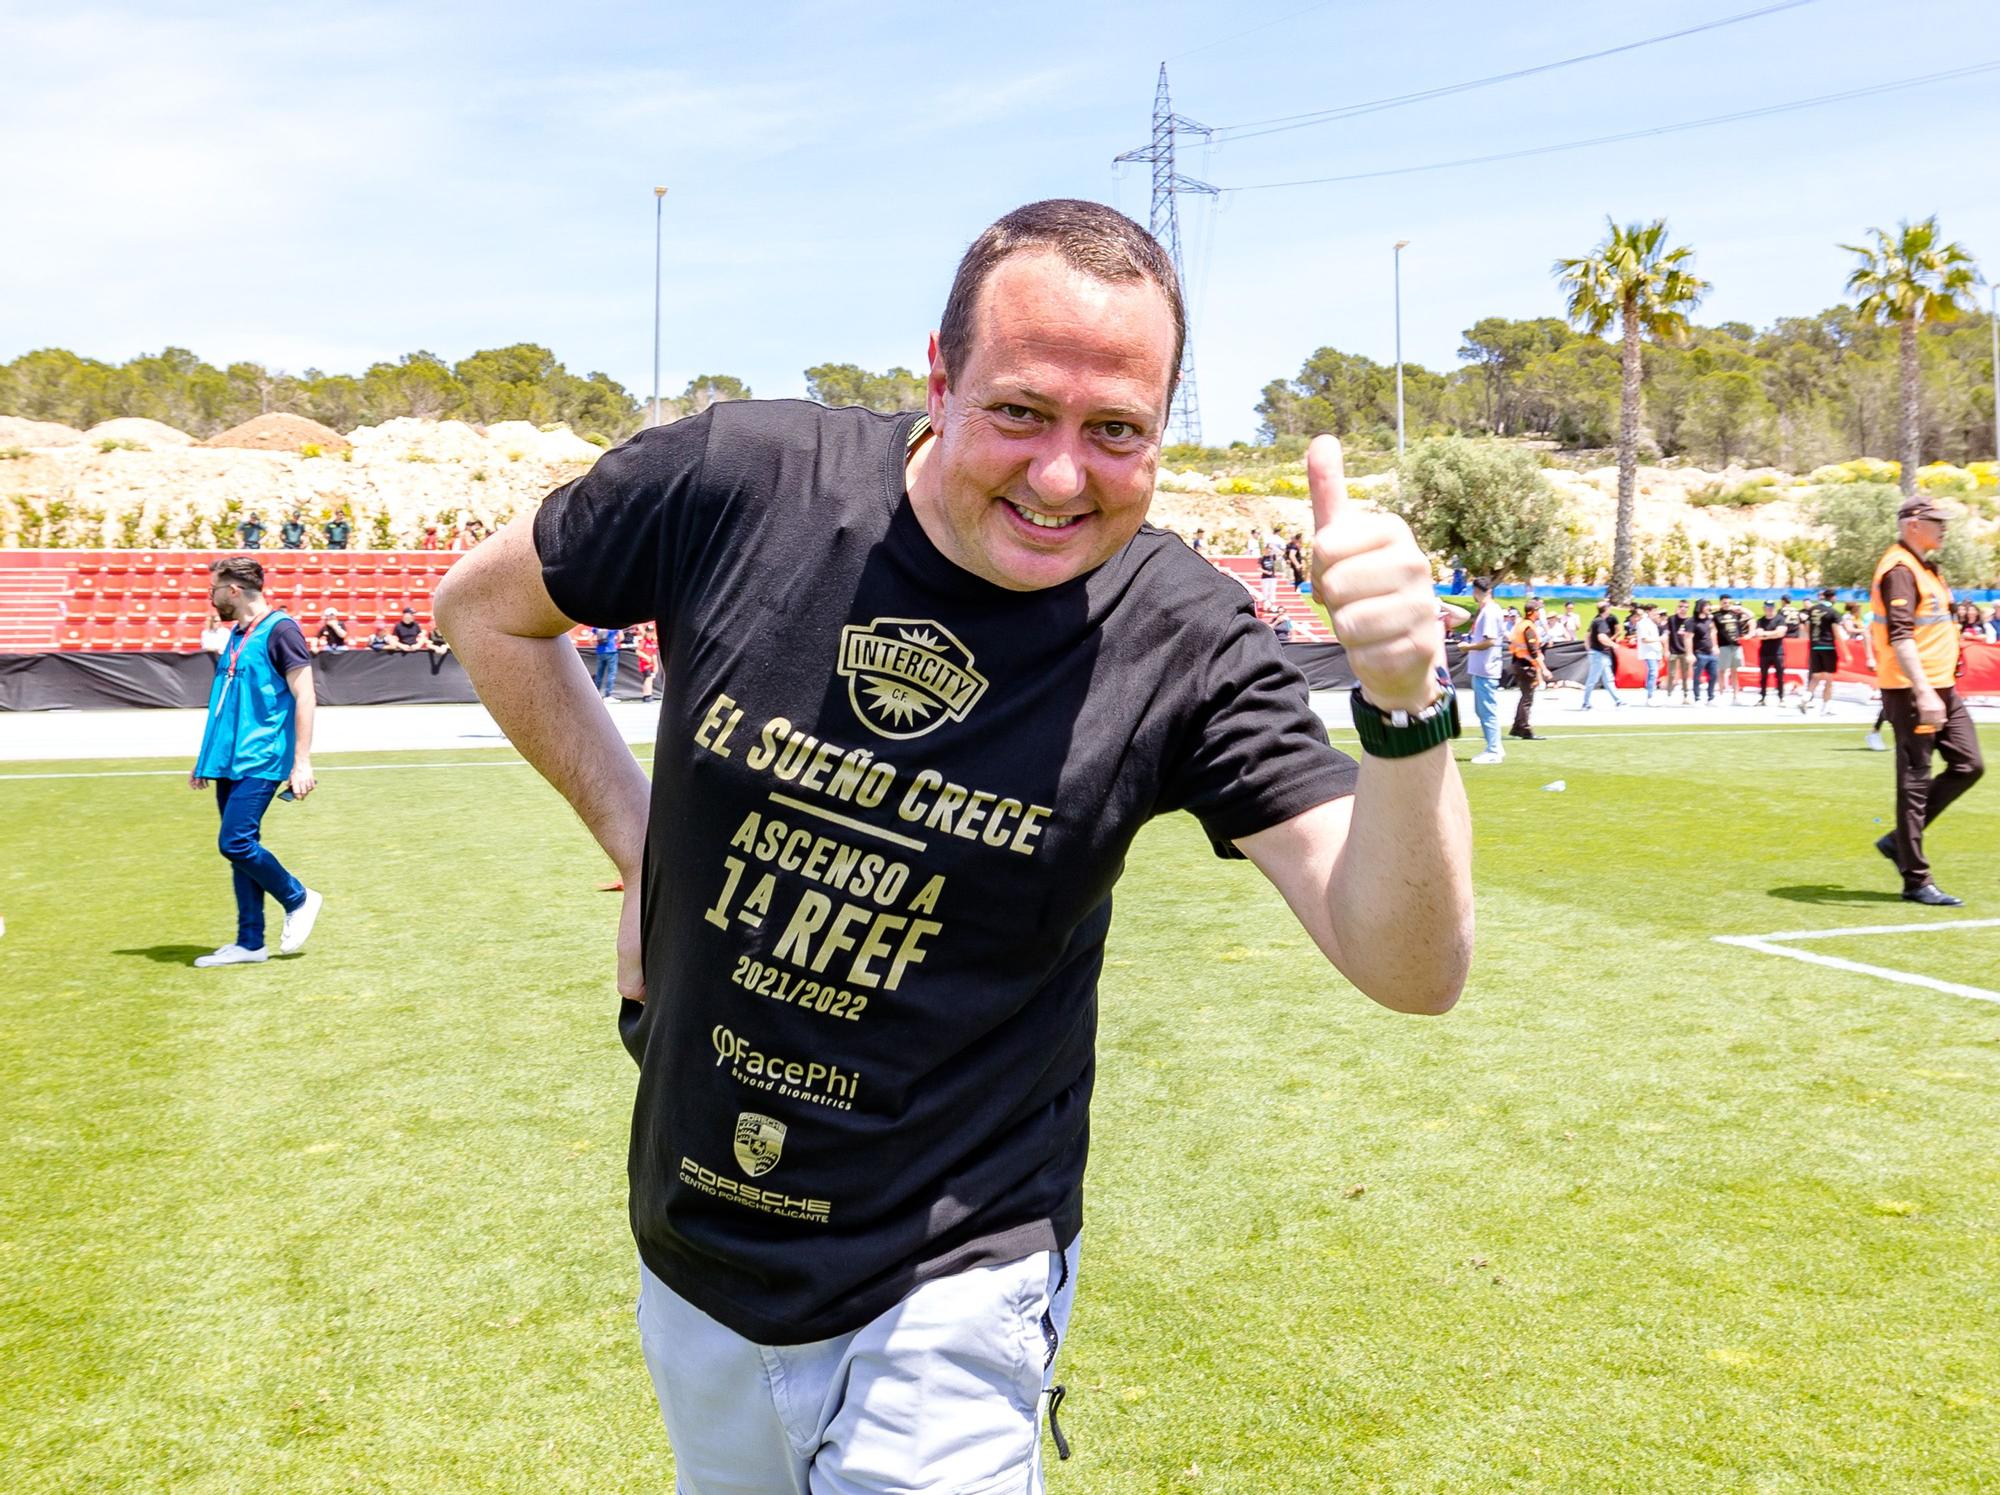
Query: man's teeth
{"type": "Point", "coordinates": [1044, 521]}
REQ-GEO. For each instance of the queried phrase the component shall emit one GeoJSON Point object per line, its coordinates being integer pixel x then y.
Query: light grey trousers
{"type": "Point", "coordinates": [940, 1395]}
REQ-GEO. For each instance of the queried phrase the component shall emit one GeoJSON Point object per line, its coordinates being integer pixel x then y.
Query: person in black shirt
{"type": "Point", "coordinates": [332, 635]}
{"type": "Point", "coordinates": [1732, 623]}
{"type": "Point", "coordinates": [1603, 657]}
{"type": "Point", "coordinates": [1823, 625]}
{"type": "Point", "coordinates": [408, 634]}
{"type": "Point", "coordinates": [868, 889]}
{"type": "Point", "coordinates": [292, 533]}
{"type": "Point", "coordinates": [1680, 653]}
{"type": "Point", "coordinates": [337, 532]}
{"type": "Point", "coordinates": [1700, 635]}
{"type": "Point", "coordinates": [1770, 634]}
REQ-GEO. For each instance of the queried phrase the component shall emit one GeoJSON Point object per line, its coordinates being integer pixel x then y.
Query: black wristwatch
{"type": "Point", "coordinates": [1404, 734]}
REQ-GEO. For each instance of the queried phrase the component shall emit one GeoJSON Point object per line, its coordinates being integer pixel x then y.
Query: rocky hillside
{"type": "Point", "coordinates": [139, 483]}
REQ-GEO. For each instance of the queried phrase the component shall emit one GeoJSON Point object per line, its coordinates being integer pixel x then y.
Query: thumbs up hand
{"type": "Point", "coordinates": [1376, 586]}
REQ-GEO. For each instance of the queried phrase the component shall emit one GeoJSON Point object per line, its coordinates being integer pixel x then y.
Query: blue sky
{"type": "Point", "coordinates": [330, 191]}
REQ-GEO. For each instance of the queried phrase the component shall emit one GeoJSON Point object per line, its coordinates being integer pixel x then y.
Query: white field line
{"type": "Point", "coordinates": [1768, 944]}
{"type": "Point", "coordinates": [319, 769]}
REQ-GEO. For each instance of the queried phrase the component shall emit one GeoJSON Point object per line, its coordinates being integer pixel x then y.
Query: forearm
{"type": "Point", "coordinates": [539, 692]}
{"type": "Point", "coordinates": [306, 699]}
{"type": "Point", "coordinates": [1400, 894]}
{"type": "Point", "coordinates": [1905, 650]}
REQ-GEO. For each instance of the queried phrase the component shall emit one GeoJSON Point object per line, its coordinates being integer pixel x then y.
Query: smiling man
{"type": "Point", "coordinates": [924, 678]}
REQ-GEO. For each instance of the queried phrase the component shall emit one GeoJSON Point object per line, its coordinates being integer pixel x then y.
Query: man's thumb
{"type": "Point", "coordinates": [1326, 476]}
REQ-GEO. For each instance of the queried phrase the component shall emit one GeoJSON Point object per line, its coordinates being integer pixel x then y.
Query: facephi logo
{"type": "Point", "coordinates": [760, 1142]}
{"type": "Point", "coordinates": [906, 676]}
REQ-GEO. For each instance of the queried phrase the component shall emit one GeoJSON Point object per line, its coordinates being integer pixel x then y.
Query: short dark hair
{"type": "Point", "coordinates": [1090, 237]}
{"type": "Point", "coordinates": [242, 570]}
{"type": "Point", "coordinates": [407, 608]}
{"type": "Point", "coordinates": [1482, 584]}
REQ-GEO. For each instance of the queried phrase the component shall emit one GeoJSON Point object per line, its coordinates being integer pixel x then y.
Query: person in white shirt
{"type": "Point", "coordinates": [1652, 646]}
{"type": "Point", "coordinates": [214, 635]}
{"type": "Point", "coordinates": [1485, 652]}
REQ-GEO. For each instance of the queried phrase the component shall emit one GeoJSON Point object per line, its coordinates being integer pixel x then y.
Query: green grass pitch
{"type": "Point", "coordinates": [1647, 1212]}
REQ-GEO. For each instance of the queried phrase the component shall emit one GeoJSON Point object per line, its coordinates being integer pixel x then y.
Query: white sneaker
{"type": "Point", "coordinates": [232, 955]}
{"type": "Point", "coordinates": [1874, 743]}
{"type": "Point", "coordinates": [299, 924]}
{"type": "Point", "coordinates": [1490, 758]}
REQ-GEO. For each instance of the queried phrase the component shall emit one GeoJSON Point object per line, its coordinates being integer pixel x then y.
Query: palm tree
{"type": "Point", "coordinates": [1911, 280]}
{"type": "Point", "coordinates": [1633, 278]}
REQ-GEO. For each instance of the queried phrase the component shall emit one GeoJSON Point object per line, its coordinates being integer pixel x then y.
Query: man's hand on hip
{"type": "Point", "coordinates": [1376, 586]}
{"type": "Point", "coordinates": [631, 978]}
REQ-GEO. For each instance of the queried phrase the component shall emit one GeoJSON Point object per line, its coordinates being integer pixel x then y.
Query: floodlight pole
{"type": "Point", "coordinates": [1994, 320]}
{"type": "Point", "coordinates": [1401, 244]}
{"type": "Point", "coordinates": [659, 208]}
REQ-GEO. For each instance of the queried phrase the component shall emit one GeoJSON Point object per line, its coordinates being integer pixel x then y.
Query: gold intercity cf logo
{"type": "Point", "coordinates": [906, 676]}
{"type": "Point", "coordinates": [760, 1142]}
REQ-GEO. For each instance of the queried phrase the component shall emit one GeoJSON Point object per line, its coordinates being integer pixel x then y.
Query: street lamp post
{"type": "Point", "coordinates": [1995, 320]}
{"type": "Point", "coordinates": [659, 207]}
{"type": "Point", "coordinates": [1401, 244]}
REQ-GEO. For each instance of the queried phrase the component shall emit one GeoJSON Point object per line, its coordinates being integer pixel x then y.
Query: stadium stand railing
{"type": "Point", "coordinates": [126, 600]}
{"type": "Point", "coordinates": [1292, 603]}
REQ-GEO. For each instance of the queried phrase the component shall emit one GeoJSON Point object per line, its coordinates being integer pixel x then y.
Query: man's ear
{"type": "Point", "coordinates": [936, 385]}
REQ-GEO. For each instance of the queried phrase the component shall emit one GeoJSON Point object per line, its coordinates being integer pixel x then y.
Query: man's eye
{"type": "Point", "coordinates": [1016, 412]}
{"type": "Point", "coordinates": [1119, 430]}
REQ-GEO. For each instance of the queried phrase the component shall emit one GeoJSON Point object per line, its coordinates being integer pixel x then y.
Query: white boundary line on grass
{"type": "Point", "coordinates": [1769, 944]}
{"type": "Point", "coordinates": [318, 769]}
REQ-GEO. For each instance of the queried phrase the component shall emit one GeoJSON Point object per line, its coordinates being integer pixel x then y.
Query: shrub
{"type": "Point", "coordinates": [1943, 480]}
{"type": "Point", "coordinates": [12, 453]}
{"type": "Point", "coordinates": [1859, 470]}
{"type": "Point", "coordinates": [310, 449]}
{"type": "Point", "coordinates": [1985, 474]}
{"type": "Point", "coordinates": [1481, 503]}
{"type": "Point", "coordinates": [1861, 520]}
{"type": "Point", "coordinates": [1743, 495]}
{"type": "Point", "coordinates": [597, 438]}
{"type": "Point", "coordinates": [119, 444]}
{"type": "Point", "coordinates": [418, 457]}
{"type": "Point", "coordinates": [479, 475]}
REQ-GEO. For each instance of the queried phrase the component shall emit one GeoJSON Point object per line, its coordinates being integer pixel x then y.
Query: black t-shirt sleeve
{"type": "Point", "coordinates": [1254, 754]}
{"type": "Point", "coordinates": [1898, 602]}
{"type": "Point", "coordinates": [611, 542]}
{"type": "Point", "coordinates": [288, 646]}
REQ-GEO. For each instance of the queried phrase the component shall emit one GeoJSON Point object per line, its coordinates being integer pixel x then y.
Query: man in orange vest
{"type": "Point", "coordinates": [1525, 644]}
{"type": "Point", "coordinates": [1917, 664]}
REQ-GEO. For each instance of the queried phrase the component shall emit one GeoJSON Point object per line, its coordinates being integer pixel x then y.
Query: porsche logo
{"type": "Point", "coordinates": [760, 1142]}
{"type": "Point", "coordinates": [906, 676]}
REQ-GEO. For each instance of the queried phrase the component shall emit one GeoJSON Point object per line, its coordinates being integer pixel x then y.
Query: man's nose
{"type": "Point", "coordinates": [1058, 473]}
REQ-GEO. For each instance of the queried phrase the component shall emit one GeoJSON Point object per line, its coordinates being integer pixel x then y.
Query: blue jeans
{"type": "Point", "coordinates": [1705, 666]}
{"type": "Point", "coordinates": [254, 870]}
{"type": "Point", "coordinates": [607, 675]}
{"type": "Point", "coordinates": [1602, 672]}
{"type": "Point", "coordinates": [1486, 702]}
{"type": "Point", "coordinates": [1652, 677]}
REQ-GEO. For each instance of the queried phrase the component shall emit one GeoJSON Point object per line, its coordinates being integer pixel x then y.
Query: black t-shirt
{"type": "Point", "coordinates": [1825, 622]}
{"type": "Point", "coordinates": [1604, 631]}
{"type": "Point", "coordinates": [1728, 626]}
{"type": "Point", "coordinates": [286, 643]}
{"type": "Point", "coordinates": [1702, 632]}
{"type": "Point", "coordinates": [409, 634]}
{"type": "Point", "coordinates": [1765, 624]}
{"type": "Point", "coordinates": [883, 842]}
{"type": "Point", "coordinates": [1677, 628]}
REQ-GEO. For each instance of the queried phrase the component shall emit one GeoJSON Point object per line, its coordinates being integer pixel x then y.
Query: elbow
{"type": "Point", "coordinates": [444, 605]}
{"type": "Point", "coordinates": [1430, 990]}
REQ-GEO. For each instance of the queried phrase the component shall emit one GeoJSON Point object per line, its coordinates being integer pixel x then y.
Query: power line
{"type": "Point", "coordinates": [1290, 15]}
{"type": "Point", "coordinates": [1689, 124]}
{"type": "Point", "coordinates": [1251, 129]}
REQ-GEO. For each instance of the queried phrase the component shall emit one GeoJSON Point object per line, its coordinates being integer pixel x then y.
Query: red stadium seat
{"type": "Point", "coordinates": [72, 638]}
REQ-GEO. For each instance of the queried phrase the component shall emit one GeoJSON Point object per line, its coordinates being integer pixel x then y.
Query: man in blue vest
{"type": "Point", "coordinates": [257, 744]}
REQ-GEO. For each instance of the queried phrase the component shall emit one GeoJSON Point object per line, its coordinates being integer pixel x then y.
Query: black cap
{"type": "Point", "coordinates": [1918, 506]}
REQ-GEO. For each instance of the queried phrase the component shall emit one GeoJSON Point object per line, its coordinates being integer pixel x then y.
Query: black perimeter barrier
{"type": "Point", "coordinates": [351, 677]}
{"type": "Point", "coordinates": [365, 677]}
